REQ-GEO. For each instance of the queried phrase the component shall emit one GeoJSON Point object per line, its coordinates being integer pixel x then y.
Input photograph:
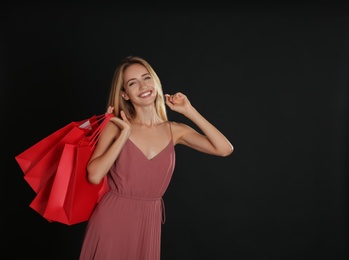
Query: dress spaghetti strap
{"type": "Point", "coordinates": [169, 123]}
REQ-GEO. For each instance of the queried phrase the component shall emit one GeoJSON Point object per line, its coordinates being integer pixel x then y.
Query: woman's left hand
{"type": "Point", "coordinates": [178, 102]}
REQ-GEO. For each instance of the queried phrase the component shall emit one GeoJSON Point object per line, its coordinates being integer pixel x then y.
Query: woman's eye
{"type": "Point", "coordinates": [147, 77]}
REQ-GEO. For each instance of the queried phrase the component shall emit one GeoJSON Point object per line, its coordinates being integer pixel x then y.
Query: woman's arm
{"type": "Point", "coordinates": [212, 141]}
{"type": "Point", "coordinates": [108, 148]}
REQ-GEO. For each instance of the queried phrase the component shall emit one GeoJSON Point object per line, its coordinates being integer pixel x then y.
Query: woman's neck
{"type": "Point", "coordinates": [147, 121]}
{"type": "Point", "coordinates": [147, 117]}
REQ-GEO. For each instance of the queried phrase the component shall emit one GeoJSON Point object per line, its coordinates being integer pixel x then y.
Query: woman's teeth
{"type": "Point", "coordinates": [145, 94]}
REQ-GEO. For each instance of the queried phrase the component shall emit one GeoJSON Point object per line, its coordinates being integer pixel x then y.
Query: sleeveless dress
{"type": "Point", "coordinates": [126, 223]}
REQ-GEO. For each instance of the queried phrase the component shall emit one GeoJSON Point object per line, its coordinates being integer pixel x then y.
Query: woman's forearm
{"type": "Point", "coordinates": [220, 143]}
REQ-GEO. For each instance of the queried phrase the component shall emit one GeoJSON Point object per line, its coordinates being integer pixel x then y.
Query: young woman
{"type": "Point", "coordinates": [136, 152]}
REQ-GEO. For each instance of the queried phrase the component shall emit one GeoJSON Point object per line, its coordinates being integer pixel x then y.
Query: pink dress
{"type": "Point", "coordinates": [126, 223]}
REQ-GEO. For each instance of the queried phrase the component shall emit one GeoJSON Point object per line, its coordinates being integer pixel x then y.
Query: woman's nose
{"type": "Point", "coordinates": [143, 85]}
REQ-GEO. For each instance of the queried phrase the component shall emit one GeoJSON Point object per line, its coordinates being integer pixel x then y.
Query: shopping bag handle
{"type": "Point", "coordinates": [93, 138]}
{"type": "Point", "coordinates": [87, 124]}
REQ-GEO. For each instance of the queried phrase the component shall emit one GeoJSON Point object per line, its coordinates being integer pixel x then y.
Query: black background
{"type": "Point", "coordinates": [272, 77]}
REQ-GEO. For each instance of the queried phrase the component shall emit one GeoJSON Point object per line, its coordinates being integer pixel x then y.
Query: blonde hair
{"type": "Point", "coordinates": [117, 86]}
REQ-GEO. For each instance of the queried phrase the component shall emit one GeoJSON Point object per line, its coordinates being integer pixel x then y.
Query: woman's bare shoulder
{"type": "Point", "coordinates": [179, 130]}
{"type": "Point", "coordinates": [110, 131]}
{"type": "Point", "coordinates": [179, 126]}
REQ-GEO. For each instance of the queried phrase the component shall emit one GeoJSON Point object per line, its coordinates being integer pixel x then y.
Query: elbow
{"type": "Point", "coordinates": [227, 151]}
{"type": "Point", "coordinates": [93, 178]}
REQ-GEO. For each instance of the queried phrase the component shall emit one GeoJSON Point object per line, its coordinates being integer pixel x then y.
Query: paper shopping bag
{"type": "Point", "coordinates": [65, 195]}
{"type": "Point", "coordinates": [40, 161]}
{"type": "Point", "coordinates": [72, 197]}
{"type": "Point", "coordinates": [32, 155]}
{"type": "Point", "coordinates": [39, 174]}
{"type": "Point", "coordinates": [39, 203]}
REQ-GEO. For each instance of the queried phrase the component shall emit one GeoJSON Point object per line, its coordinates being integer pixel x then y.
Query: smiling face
{"type": "Point", "coordinates": [135, 84]}
{"type": "Point", "coordinates": [139, 85]}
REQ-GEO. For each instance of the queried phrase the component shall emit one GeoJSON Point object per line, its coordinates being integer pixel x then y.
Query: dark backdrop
{"type": "Point", "coordinates": [273, 78]}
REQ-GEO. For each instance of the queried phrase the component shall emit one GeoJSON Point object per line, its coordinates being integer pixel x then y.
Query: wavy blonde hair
{"type": "Point", "coordinates": [117, 86]}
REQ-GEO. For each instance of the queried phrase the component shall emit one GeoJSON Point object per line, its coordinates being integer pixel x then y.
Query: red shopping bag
{"type": "Point", "coordinates": [32, 155]}
{"type": "Point", "coordinates": [39, 203]}
{"type": "Point", "coordinates": [64, 194]}
{"type": "Point", "coordinates": [72, 197]}
{"type": "Point", "coordinates": [39, 162]}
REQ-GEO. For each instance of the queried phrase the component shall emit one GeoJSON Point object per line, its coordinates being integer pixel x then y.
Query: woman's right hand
{"type": "Point", "coordinates": [122, 122]}
{"type": "Point", "coordinates": [110, 110]}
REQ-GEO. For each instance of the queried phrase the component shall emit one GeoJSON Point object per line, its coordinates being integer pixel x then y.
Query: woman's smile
{"type": "Point", "coordinates": [145, 94]}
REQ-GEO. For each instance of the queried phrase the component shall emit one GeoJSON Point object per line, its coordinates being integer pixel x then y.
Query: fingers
{"type": "Point", "coordinates": [168, 102]}
{"type": "Point", "coordinates": [123, 116]}
{"type": "Point", "coordinates": [167, 97]}
{"type": "Point", "coordinates": [122, 122]}
{"type": "Point", "coordinates": [173, 98]}
{"type": "Point", "coordinates": [110, 110]}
